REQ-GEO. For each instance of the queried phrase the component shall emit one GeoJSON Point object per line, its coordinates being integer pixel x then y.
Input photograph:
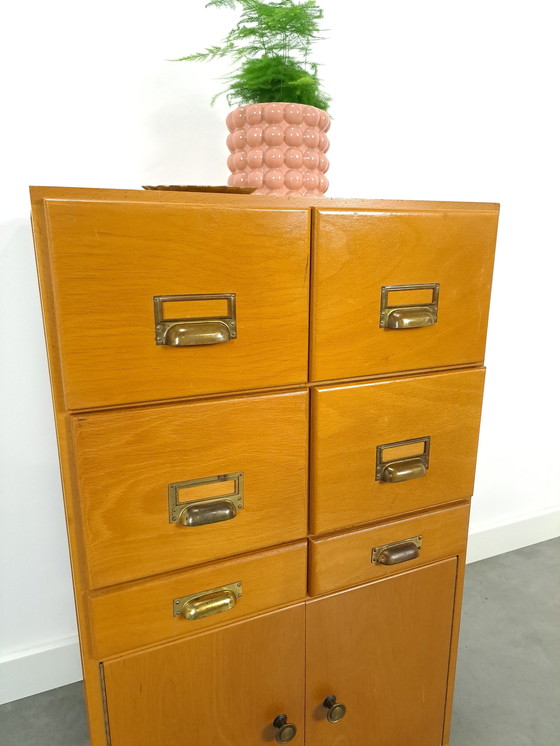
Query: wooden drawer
{"type": "Point", "coordinates": [143, 613]}
{"type": "Point", "coordinates": [109, 260]}
{"type": "Point", "coordinates": [439, 413]}
{"type": "Point", "coordinates": [357, 253]}
{"type": "Point", "coordinates": [346, 559]}
{"type": "Point", "coordinates": [254, 446]}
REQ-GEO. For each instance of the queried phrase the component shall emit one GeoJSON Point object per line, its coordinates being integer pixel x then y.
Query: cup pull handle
{"type": "Point", "coordinates": [410, 318]}
{"type": "Point", "coordinates": [404, 470]}
{"type": "Point", "coordinates": [201, 511]}
{"type": "Point", "coordinates": [195, 332]}
{"type": "Point", "coordinates": [403, 467]}
{"type": "Point", "coordinates": [207, 603]}
{"type": "Point", "coordinates": [397, 552]}
{"type": "Point", "coordinates": [395, 315]}
{"type": "Point", "coordinates": [204, 512]}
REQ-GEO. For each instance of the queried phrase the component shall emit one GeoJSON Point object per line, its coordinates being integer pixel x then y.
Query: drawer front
{"type": "Point", "coordinates": [357, 254]}
{"type": "Point", "coordinates": [389, 447]}
{"type": "Point", "coordinates": [111, 260]}
{"type": "Point", "coordinates": [348, 559]}
{"type": "Point", "coordinates": [166, 487]}
{"type": "Point", "coordinates": [223, 688]}
{"type": "Point", "coordinates": [175, 606]}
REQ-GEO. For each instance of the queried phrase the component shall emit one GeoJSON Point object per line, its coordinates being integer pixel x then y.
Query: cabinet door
{"type": "Point", "coordinates": [223, 687]}
{"type": "Point", "coordinates": [383, 651]}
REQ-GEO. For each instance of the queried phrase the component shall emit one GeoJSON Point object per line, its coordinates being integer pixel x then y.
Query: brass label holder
{"type": "Point", "coordinates": [408, 316]}
{"type": "Point", "coordinates": [207, 603]}
{"type": "Point", "coordinates": [205, 510]}
{"type": "Point", "coordinates": [192, 332]}
{"type": "Point", "coordinates": [402, 469]}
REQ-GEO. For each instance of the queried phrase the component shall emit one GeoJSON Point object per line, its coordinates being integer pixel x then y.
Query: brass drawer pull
{"type": "Point", "coordinates": [207, 603]}
{"type": "Point", "coordinates": [403, 469]}
{"type": "Point", "coordinates": [194, 332]}
{"type": "Point", "coordinates": [203, 512]}
{"type": "Point", "coordinates": [213, 509]}
{"type": "Point", "coordinates": [408, 316]}
{"type": "Point", "coordinates": [335, 710]}
{"type": "Point", "coordinates": [286, 731]}
{"type": "Point", "coordinates": [397, 552]}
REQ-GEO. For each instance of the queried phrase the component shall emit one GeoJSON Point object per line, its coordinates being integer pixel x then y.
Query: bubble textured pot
{"type": "Point", "coordinates": [279, 148]}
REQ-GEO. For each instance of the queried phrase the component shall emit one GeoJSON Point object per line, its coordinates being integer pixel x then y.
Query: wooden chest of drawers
{"type": "Point", "coordinates": [267, 413]}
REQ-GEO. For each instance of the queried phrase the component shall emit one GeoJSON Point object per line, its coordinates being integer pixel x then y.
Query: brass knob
{"type": "Point", "coordinates": [335, 710]}
{"type": "Point", "coordinates": [286, 731]}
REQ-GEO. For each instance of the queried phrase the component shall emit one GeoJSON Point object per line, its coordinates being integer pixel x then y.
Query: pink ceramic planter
{"type": "Point", "coordinates": [279, 148]}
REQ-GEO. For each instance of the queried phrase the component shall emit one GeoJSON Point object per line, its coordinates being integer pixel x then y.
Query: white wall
{"type": "Point", "coordinates": [460, 101]}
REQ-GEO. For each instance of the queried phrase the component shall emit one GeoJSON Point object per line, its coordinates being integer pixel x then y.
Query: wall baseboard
{"type": "Point", "coordinates": [491, 540]}
{"type": "Point", "coordinates": [40, 669]}
{"type": "Point", "coordinates": [58, 664]}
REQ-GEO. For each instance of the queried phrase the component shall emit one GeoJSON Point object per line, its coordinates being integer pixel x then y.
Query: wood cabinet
{"type": "Point", "coordinates": [267, 412]}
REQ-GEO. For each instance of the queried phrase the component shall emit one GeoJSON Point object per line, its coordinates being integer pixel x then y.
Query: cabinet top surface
{"type": "Point", "coordinates": [39, 193]}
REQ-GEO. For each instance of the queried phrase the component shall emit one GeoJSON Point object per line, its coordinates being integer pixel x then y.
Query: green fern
{"type": "Point", "coordinates": [270, 46]}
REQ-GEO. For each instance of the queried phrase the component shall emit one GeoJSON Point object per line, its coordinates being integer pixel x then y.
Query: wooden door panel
{"type": "Point", "coordinates": [223, 688]}
{"type": "Point", "coordinates": [383, 650]}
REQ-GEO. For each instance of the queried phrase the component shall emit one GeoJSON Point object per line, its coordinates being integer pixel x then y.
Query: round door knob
{"type": "Point", "coordinates": [286, 731]}
{"type": "Point", "coordinates": [335, 710]}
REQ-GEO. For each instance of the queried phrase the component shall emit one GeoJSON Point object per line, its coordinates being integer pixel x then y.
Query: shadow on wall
{"type": "Point", "coordinates": [33, 545]}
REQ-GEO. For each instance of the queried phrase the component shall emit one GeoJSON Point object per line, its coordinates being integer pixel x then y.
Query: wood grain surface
{"type": "Point", "coordinates": [223, 688]}
{"type": "Point", "coordinates": [383, 651]}
{"type": "Point", "coordinates": [344, 559]}
{"type": "Point", "coordinates": [141, 613]}
{"type": "Point", "coordinates": [349, 422]}
{"type": "Point", "coordinates": [256, 201]}
{"type": "Point", "coordinates": [110, 259]}
{"type": "Point", "coordinates": [356, 253]}
{"type": "Point", "coordinates": [102, 255]}
{"type": "Point", "coordinates": [127, 458]}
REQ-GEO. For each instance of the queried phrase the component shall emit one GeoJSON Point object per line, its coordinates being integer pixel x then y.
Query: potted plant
{"type": "Point", "coordinates": [277, 134]}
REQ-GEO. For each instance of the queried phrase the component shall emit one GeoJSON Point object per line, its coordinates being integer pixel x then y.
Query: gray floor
{"type": "Point", "coordinates": [508, 678]}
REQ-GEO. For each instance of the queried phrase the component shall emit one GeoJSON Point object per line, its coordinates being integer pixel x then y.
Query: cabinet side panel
{"type": "Point", "coordinates": [93, 693]}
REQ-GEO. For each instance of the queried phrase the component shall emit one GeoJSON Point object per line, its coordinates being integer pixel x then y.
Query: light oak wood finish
{"type": "Point", "coordinates": [356, 253]}
{"type": "Point", "coordinates": [126, 459]}
{"type": "Point", "coordinates": [84, 245]}
{"type": "Point", "coordinates": [87, 194]}
{"type": "Point", "coordinates": [110, 259]}
{"type": "Point", "coordinates": [90, 665]}
{"type": "Point", "coordinates": [383, 651]}
{"type": "Point", "coordinates": [225, 687]}
{"type": "Point", "coordinates": [349, 422]}
{"type": "Point", "coordinates": [344, 559]}
{"type": "Point", "coordinates": [141, 613]}
{"type": "Point", "coordinates": [455, 628]}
